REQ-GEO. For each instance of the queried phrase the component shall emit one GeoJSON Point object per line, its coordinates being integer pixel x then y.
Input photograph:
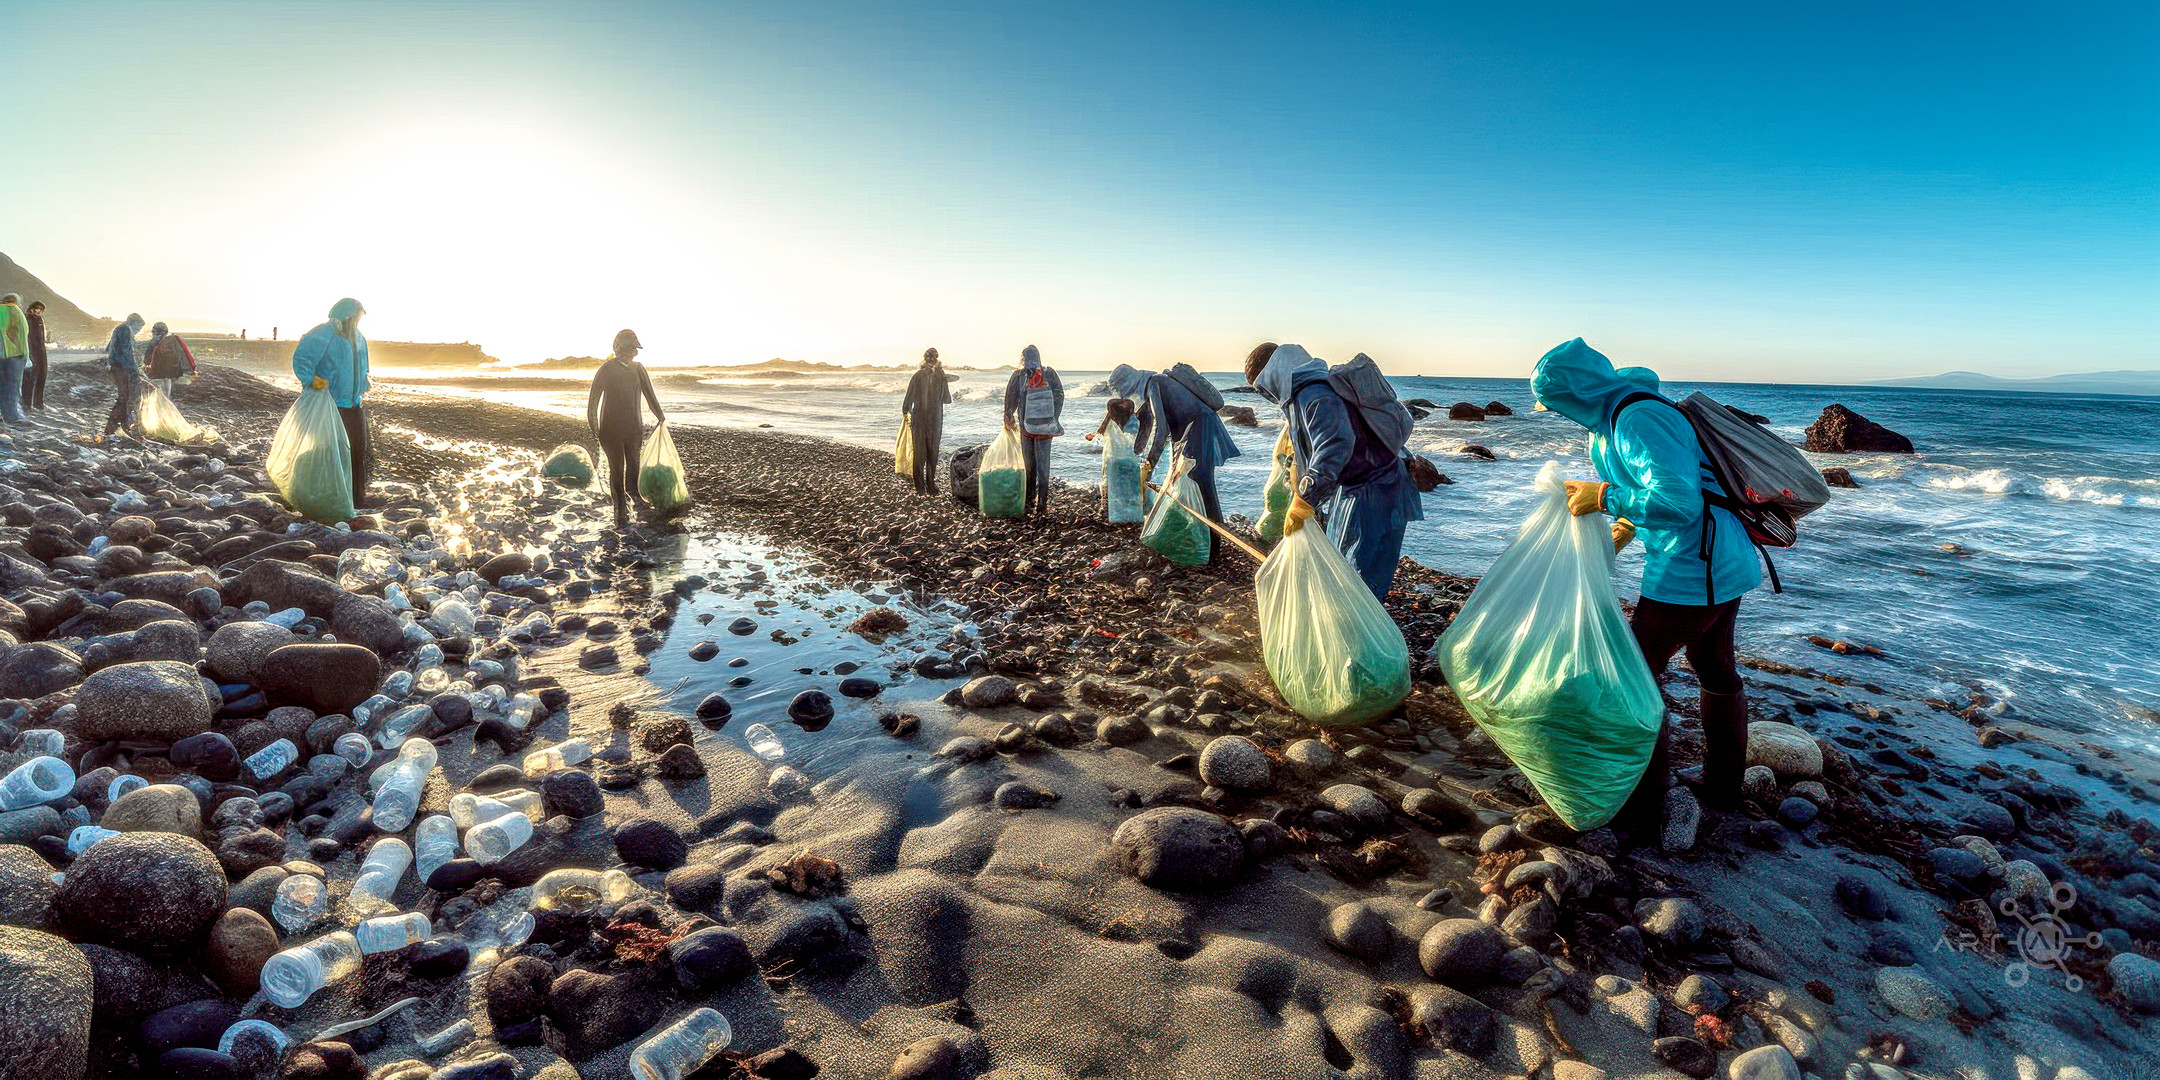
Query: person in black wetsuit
{"type": "Point", "coordinates": [612, 413]}
{"type": "Point", "coordinates": [927, 395]}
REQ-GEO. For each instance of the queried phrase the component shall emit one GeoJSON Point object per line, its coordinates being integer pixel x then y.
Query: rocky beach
{"type": "Point", "coordinates": [1028, 806]}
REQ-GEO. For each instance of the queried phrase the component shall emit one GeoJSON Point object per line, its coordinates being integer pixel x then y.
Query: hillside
{"type": "Point", "coordinates": [2135, 383]}
{"type": "Point", "coordinates": [65, 322]}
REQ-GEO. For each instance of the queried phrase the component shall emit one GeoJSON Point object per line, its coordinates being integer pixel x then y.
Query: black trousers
{"type": "Point", "coordinates": [1706, 632]}
{"type": "Point", "coordinates": [127, 397]}
{"type": "Point", "coordinates": [1036, 454]}
{"type": "Point", "coordinates": [363, 450]}
{"type": "Point", "coordinates": [33, 384]}
{"type": "Point", "coordinates": [622, 473]}
{"type": "Point", "coordinates": [926, 454]}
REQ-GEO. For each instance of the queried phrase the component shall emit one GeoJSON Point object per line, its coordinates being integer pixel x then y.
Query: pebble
{"type": "Point", "coordinates": [2137, 978]}
{"type": "Point", "coordinates": [713, 710]}
{"type": "Point", "coordinates": [438, 958]}
{"type": "Point", "coordinates": [1861, 899]}
{"type": "Point", "coordinates": [1180, 849]}
{"type": "Point", "coordinates": [1123, 730]}
{"type": "Point", "coordinates": [1698, 993]}
{"type": "Point", "coordinates": [166, 808]}
{"type": "Point", "coordinates": [1683, 817]}
{"type": "Point", "coordinates": [1453, 1019]}
{"type": "Point", "coordinates": [1685, 1055]}
{"type": "Point", "coordinates": [1311, 758]}
{"type": "Point", "coordinates": [1355, 928]}
{"type": "Point", "coordinates": [1021, 795]}
{"type": "Point", "coordinates": [1676, 921]}
{"type": "Point", "coordinates": [811, 709]}
{"type": "Point", "coordinates": [1235, 762]}
{"type": "Point", "coordinates": [1913, 994]}
{"type": "Point", "coordinates": [651, 844]}
{"type": "Point", "coordinates": [1359, 806]}
{"type": "Point", "coordinates": [1462, 953]}
{"type": "Point", "coordinates": [1797, 813]}
{"type": "Point", "coordinates": [989, 692]}
{"type": "Point", "coordinates": [160, 700]}
{"type": "Point", "coordinates": [1784, 748]}
{"type": "Point", "coordinates": [705, 960]}
{"type": "Point", "coordinates": [860, 687]}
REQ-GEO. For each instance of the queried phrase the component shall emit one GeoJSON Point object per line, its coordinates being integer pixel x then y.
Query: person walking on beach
{"type": "Point", "coordinates": [1034, 400]}
{"type": "Point", "coordinates": [927, 395]}
{"type": "Point", "coordinates": [1170, 413]}
{"type": "Point", "coordinates": [1342, 465]}
{"type": "Point", "coordinates": [612, 413]}
{"type": "Point", "coordinates": [127, 379]}
{"type": "Point", "coordinates": [1698, 561]}
{"type": "Point", "coordinates": [166, 359]}
{"type": "Point", "coordinates": [33, 387]}
{"type": "Point", "coordinates": [14, 356]}
{"type": "Point", "coordinates": [334, 357]}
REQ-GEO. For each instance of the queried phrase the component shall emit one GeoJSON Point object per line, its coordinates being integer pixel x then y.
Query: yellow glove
{"type": "Point", "coordinates": [1585, 497]}
{"type": "Point", "coordinates": [1623, 534]}
{"type": "Point", "coordinates": [1147, 470]}
{"type": "Point", "coordinates": [1300, 512]}
{"type": "Point", "coordinates": [318, 383]}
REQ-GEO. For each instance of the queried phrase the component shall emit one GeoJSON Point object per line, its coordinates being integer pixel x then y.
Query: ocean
{"type": "Point", "coordinates": [2016, 555]}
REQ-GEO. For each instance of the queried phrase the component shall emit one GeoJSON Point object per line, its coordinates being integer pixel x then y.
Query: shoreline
{"type": "Point", "coordinates": [1043, 598]}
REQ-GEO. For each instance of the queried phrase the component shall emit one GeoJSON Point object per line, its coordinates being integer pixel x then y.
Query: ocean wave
{"type": "Point", "coordinates": [1098, 388]}
{"type": "Point", "coordinates": [2098, 490]}
{"type": "Point", "coordinates": [978, 394]}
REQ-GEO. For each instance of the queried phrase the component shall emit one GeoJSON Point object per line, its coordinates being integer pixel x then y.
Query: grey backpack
{"type": "Point", "coordinates": [1192, 380]}
{"type": "Point", "coordinates": [1360, 383]}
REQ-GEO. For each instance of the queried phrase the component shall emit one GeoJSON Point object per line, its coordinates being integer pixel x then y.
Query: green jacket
{"type": "Point", "coordinates": [14, 332]}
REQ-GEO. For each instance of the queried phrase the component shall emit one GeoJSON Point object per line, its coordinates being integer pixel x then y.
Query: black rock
{"type": "Point", "coordinates": [495, 1066]}
{"type": "Point", "coordinates": [198, 1063]}
{"type": "Point", "coordinates": [704, 650]}
{"type": "Point", "coordinates": [439, 958]}
{"type": "Point", "coordinates": [743, 627]}
{"type": "Point", "coordinates": [209, 753]}
{"type": "Point", "coordinates": [455, 874]}
{"type": "Point", "coordinates": [452, 711]}
{"type": "Point", "coordinates": [696, 887]}
{"type": "Point", "coordinates": [1685, 1055]}
{"type": "Point", "coordinates": [197, 1023]}
{"type": "Point", "coordinates": [709, 959]}
{"type": "Point", "coordinates": [714, 711]}
{"type": "Point", "coordinates": [507, 738]}
{"type": "Point", "coordinates": [651, 844]}
{"type": "Point", "coordinates": [811, 710]}
{"type": "Point", "coordinates": [1861, 899]}
{"type": "Point", "coordinates": [571, 792]}
{"type": "Point", "coordinates": [325, 849]}
{"type": "Point", "coordinates": [276, 808]}
{"type": "Point", "coordinates": [495, 778]}
{"type": "Point", "coordinates": [859, 687]}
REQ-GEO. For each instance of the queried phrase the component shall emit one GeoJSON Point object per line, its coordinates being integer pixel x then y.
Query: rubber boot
{"type": "Point", "coordinates": [1642, 819]}
{"type": "Point", "coordinates": [1724, 721]}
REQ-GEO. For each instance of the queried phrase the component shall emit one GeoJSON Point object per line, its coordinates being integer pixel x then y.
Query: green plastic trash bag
{"type": "Point", "coordinates": [903, 451]}
{"type": "Point", "coordinates": [1121, 479]}
{"type": "Point", "coordinates": [1001, 484]}
{"type": "Point", "coordinates": [1174, 526]}
{"type": "Point", "coordinates": [568, 464]}
{"type": "Point", "coordinates": [660, 472]}
{"type": "Point", "coordinates": [1280, 489]}
{"type": "Point", "coordinates": [310, 462]}
{"type": "Point", "coordinates": [161, 420]}
{"type": "Point", "coordinates": [1334, 653]}
{"type": "Point", "coordinates": [1544, 661]}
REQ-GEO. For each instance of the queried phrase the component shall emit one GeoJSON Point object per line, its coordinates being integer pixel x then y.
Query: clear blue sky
{"type": "Point", "coordinates": [1780, 192]}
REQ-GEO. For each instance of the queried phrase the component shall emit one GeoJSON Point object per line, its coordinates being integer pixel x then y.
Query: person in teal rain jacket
{"type": "Point", "coordinates": [1698, 561]}
{"type": "Point", "coordinates": [1344, 470]}
{"type": "Point", "coordinates": [1169, 413]}
{"type": "Point", "coordinates": [334, 357]}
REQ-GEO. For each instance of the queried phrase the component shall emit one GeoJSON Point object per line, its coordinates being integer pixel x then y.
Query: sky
{"type": "Point", "coordinates": [1743, 192]}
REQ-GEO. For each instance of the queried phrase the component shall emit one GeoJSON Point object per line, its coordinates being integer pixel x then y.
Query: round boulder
{"type": "Point", "coordinates": [1235, 762]}
{"type": "Point", "coordinates": [26, 888]}
{"type": "Point", "coordinates": [46, 993]}
{"type": "Point", "coordinates": [160, 700]}
{"type": "Point", "coordinates": [241, 942]}
{"type": "Point", "coordinates": [168, 639]}
{"type": "Point", "coordinates": [1461, 952]}
{"type": "Point", "coordinates": [651, 844]}
{"type": "Point", "coordinates": [40, 668]}
{"type": "Point", "coordinates": [157, 808]}
{"type": "Point", "coordinates": [146, 892]}
{"type": "Point", "coordinates": [329, 678]}
{"type": "Point", "coordinates": [1785, 749]}
{"type": "Point", "coordinates": [1172, 847]}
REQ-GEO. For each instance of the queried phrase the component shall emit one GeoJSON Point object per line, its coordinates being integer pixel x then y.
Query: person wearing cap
{"type": "Point", "coordinates": [924, 405]}
{"type": "Point", "coordinates": [166, 359]}
{"type": "Point", "coordinates": [127, 379]}
{"type": "Point", "coordinates": [33, 387]}
{"type": "Point", "coordinates": [1034, 403]}
{"type": "Point", "coordinates": [613, 414]}
{"type": "Point", "coordinates": [14, 356]}
{"type": "Point", "coordinates": [334, 357]}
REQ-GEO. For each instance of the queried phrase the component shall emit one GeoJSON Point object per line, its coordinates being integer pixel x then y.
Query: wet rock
{"type": "Point", "coordinates": [1476, 451]}
{"type": "Point", "coordinates": [743, 626]}
{"type": "Point", "coordinates": [197, 1023]}
{"type": "Point", "coordinates": [651, 844]}
{"type": "Point", "coordinates": [1463, 410]}
{"type": "Point", "coordinates": [1497, 409]}
{"type": "Point", "coordinates": [708, 959]}
{"type": "Point", "coordinates": [1861, 899]}
{"type": "Point", "coordinates": [164, 808]}
{"type": "Point", "coordinates": [1355, 928]}
{"type": "Point", "coordinates": [1453, 1019]}
{"type": "Point", "coordinates": [1838, 476]}
{"type": "Point", "coordinates": [1461, 952]}
{"type": "Point", "coordinates": [1235, 762]}
{"type": "Point", "coordinates": [1239, 416]}
{"type": "Point", "coordinates": [1840, 430]}
{"type": "Point", "coordinates": [1359, 806]}
{"type": "Point", "coordinates": [46, 994]}
{"type": "Point", "coordinates": [329, 678]}
{"type": "Point", "coordinates": [1676, 921]}
{"type": "Point", "coordinates": [2137, 979]}
{"type": "Point", "coordinates": [158, 700]}
{"type": "Point", "coordinates": [989, 692]}
{"type": "Point", "coordinates": [1797, 813]}
{"type": "Point", "coordinates": [1685, 1055]}
{"type": "Point", "coordinates": [38, 668]}
{"type": "Point", "coordinates": [811, 709]}
{"type": "Point", "coordinates": [1912, 994]}
{"type": "Point", "coordinates": [1697, 993]}
{"type": "Point", "coordinates": [241, 942]}
{"type": "Point", "coordinates": [1177, 848]}
{"type": "Point", "coordinates": [143, 891]}
{"type": "Point", "coordinates": [438, 958]}
{"type": "Point", "coordinates": [1785, 749]}
{"type": "Point", "coordinates": [860, 687]}
{"type": "Point", "coordinates": [713, 710]}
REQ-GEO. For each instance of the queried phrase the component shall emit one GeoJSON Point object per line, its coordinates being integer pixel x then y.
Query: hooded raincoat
{"type": "Point", "coordinates": [928, 392]}
{"type": "Point", "coordinates": [1344, 470]}
{"type": "Point", "coordinates": [1170, 413]}
{"type": "Point", "coordinates": [326, 353]}
{"type": "Point", "coordinates": [1655, 464]}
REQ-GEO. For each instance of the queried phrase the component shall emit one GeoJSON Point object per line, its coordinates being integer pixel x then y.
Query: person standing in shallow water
{"type": "Point", "coordinates": [612, 412]}
{"type": "Point", "coordinates": [334, 357]}
{"type": "Point", "coordinates": [1034, 400]}
{"type": "Point", "coordinates": [1698, 561]}
{"type": "Point", "coordinates": [927, 395]}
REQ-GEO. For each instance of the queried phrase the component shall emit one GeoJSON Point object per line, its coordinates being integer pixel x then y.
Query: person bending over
{"type": "Point", "coordinates": [1169, 413]}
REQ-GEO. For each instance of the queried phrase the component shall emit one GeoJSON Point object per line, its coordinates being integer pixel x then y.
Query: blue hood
{"type": "Point", "coordinates": [1578, 382]}
{"type": "Point", "coordinates": [1127, 381]}
{"type": "Point", "coordinates": [1290, 368]}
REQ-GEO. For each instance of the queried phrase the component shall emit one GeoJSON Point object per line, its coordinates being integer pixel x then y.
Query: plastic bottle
{"type": "Point", "coordinates": [273, 759]}
{"type": "Point", "coordinates": [389, 933]}
{"type": "Point", "coordinates": [453, 615]}
{"type": "Point", "coordinates": [328, 766]}
{"type": "Point", "coordinates": [468, 809]}
{"type": "Point", "coordinates": [557, 756]}
{"type": "Point", "coordinates": [254, 1028]}
{"type": "Point", "coordinates": [400, 725]}
{"type": "Point", "coordinates": [379, 876]}
{"type": "Point", "coordinates": [82, 836]}
{"type": "Point", "coordinates": [399, 797]}
{"type": "Point", "coordinates": [288, 618]}
{"type": "Point", "coordinates": [122, 784]}
{"type": "Point", "coordinates": [418, 753]}
{"type": "Point", "coordinates": [449, 1038]}
{"type": "Point", "coordinates": [763, 742]}
{"type": "Point", "coordinates": [36, 782]}
{"type": "Point", "coordinates": [40, 742]}
{"type": "Point", "coordinates": [521, 711]}
{"type": "Point", "coordinates": [301, 901]}
{"type": "Point", "coordinates": [354, 748]}
{"type": "Point", "coordinates": [398, 685]}
{"type": "Point", "coordinates": [371, 708]}
{"type": "Point", "coordinates": [787, 782]}
{"type": "Point", "coordinates": [525, 801]}
{"type": "Point", "coordinates": [435, 842]}
{"type": "Point", "coordinates": [683, 1047]}
{"type": "Point", "coordinates": [576, 889]}
{"type": "Point", "coordinates": [491, 840]}
{"type": "Point", "coordinates": [431, 679]}
{"type": "Point", "coordinates": [293, 976]}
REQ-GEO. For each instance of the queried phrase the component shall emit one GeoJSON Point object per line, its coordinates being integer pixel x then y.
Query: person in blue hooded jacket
{"type": "Point", "coordinates": [334, 357]}
{"type": "Point", "coordinates": [1698, 560]}
{"type": "Point", "coordinates": [127, 379]}
{"type": "Point", "coordinates": [1342, 465]}
{"type": "Point", "coordinates": [1168, 413]}
{"type": "Point", "coordinates": [1034, 403]}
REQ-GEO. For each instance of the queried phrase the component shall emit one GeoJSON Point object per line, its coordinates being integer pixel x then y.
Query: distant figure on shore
{"type": "Point", "coordinates": [612, 414]}
{"type": "Point", "coordinates": [33, 387]}
{"type": "Point", "coordinates": [334, 357]}
{"type": "Point", "coordinates": [927, 395]}
{"type": "Point", "coordinates": [1170, 413]}
{"type": "Point", "coordinates": [1656, 480]}
{"type": "Point", "coordinates": [1342, 464]}
{"type": "Point", "coordinates": [127, 379]}
{"type": "Point", "coordinates": [1034, 402]}
{"type": "Point", "coordinates": [14, 356]}
{"type": "Point", "coordinates": [166, 359]}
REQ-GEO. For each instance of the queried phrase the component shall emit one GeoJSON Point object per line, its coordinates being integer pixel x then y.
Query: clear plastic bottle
{"type": "Point", "coordinates": [288, 618]}
{"type": "Point", "coordinates": [397, 685]}
{"type": "Point", "coordinates": [525, 801]}
{"type": "Point", "coordinates": [491, 840]}
{"type": "Point", "coordinates": [557, 756]}
{"type": "Point", "coordinates": [328, 766]}
{"type": "Point", "coordinates": [453, 614]}
{"type": "Point", "coordinates": [427, 656]}
{"type": "Point", "coordinates": [379, 876]}
{"type": "Point", "coordinates": [301, 901]}
{"type": "Point", "coordinates": [293, 976]}
{"type": "Point", "coordinates": [399, 797]}
{"type": "Point", "coordinates": [521, 710]}
{"type": "Point", "coordinates": [418, 753]}
{"type": "Point", "coordinates": [446, 1040]}
{"type": "Point", "coordinates": [262, 1029]}
{"type": "Point", "coordinates": [400, 725]}
{"type": "Point", "coordinates": [435, 842]}
{"type": "Point", "coordinates": [389, 933]}
{"type": "Point", "coordinates": [431, 679]}
{"type": "Point", "coordinates": [122, 784]}
{"type": "Point", "coordinates": [36, 782]}
{"type": "Point", "coordinates": [576, 889]}
{"type": "Point", "coordinates": [468, 809]}
{"type": "Point", "coordinates": [763, 742]}
{"type": "Point", "coordinates": [273, 759]}
{"type": "Point", "coordinates": [394, 595]}
{"type": "Point", "coordinates": [82, 836]}
{"type": "Point", "coordinates": [40, 742]}
{"type": "Point", "coordinates": [787, 782]}
{"type": "Point", "coordinates": [354, 748]}
{"type": "Point", "coordinates": [682, 1047]}
{"type": "Point", "coordinates": [371, 708]}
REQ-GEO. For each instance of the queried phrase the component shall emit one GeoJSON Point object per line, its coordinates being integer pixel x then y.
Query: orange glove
{"type": "Point", "coordinates": [319, 383]}
{"type": "Point", "coordinates": [1623, 534]}
{"type": "Point", "coordinates": [1299, 513]}
{"type": "Point", "coordinates": [1585, 497]}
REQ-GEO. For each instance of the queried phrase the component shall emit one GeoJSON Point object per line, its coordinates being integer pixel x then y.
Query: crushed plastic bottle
{"type": "Point", "coordinates": [293, 976]}
{"type": "Point", "coordinates": [379, 876]}
{"type": "Point", "coordinates": [764, 743]}
{"type": "Point", "coordinates": [354, 748]}
{"type": "Point", "coordinates": [435, 842]}
{"type": "Point", "coordinates": [273, 759]}
{"type": "Point", "coordinates": [328, 766]}
{"type": "Point", "coordinates": [400, 725]}
{"type": "Point", "coordinates": [389, 933]}
{"type": "Point", "coordinates": [398, 799]}
{"type": "Point", "coordinates": [80, 839]}
{"type": "Point", "coordinates": [431, 679]}
{"type": "Point", "coordinates": [40, 742]}
{"type": "Point", "coordinates": [468, 809]}
{"type": "Point", "coordinates": [371, 708]}
{"type": "Point", "coordinates": [521, 711]}
{"type": "Point", "coordinates": [787, 782]}
{"type": "Point", "coordinates": [446, 1040]}
{"type": "Point", "coordinates": [491, 840]}
{"type": "Point", "coordinates": [574, 890]}
{"type": "Point", "coordinates": [398, 685]}
{"type": "Point", "coordinates": [525, 801]}
{"type": "Point", "coordinates": [683, 1047]}
{"type": "Point", "coordinates": [122, 784]}
{"type": "Point", "coordinates": [36, 782]}
{"type": "Point", "coordinates": [418, 753]}
{"type": "Point", "coordinates": [268, 1032]}
{"type": "Point", "coordinates": [454, 615]}
{"type": "Point", "coordinates": [301, 901]}
{"type": "Point", "coordinates": [557, 756]}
